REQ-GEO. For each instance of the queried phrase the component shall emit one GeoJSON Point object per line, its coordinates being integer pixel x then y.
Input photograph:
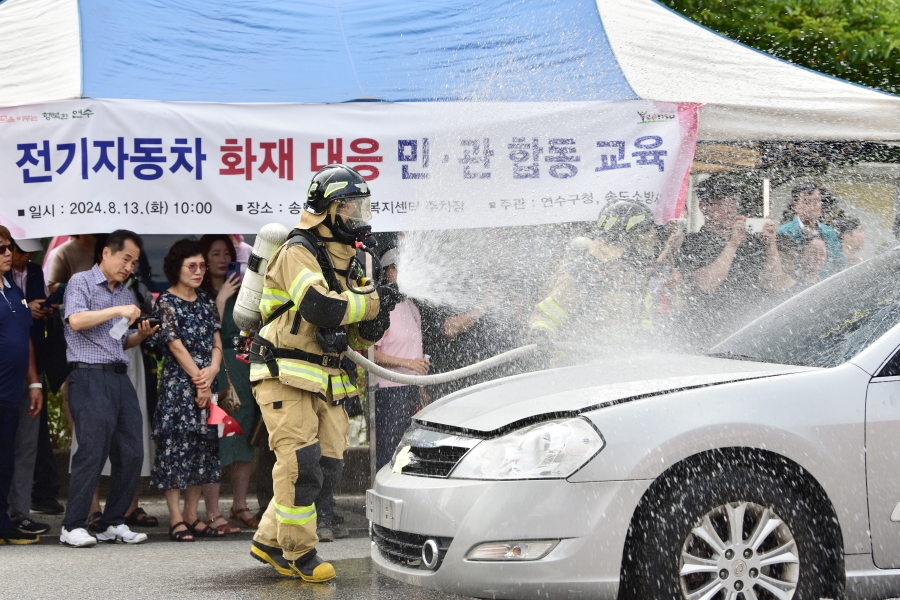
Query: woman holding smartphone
{"type": "Point", "coordinates": [187, 452]}
{"type": "Point", "coordinates": [222, 282]}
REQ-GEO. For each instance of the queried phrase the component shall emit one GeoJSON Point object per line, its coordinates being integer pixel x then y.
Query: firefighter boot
{"type": "Point", "coordinates": [272, 556]}
{"type": "Point", "coordinates": [313, 569]}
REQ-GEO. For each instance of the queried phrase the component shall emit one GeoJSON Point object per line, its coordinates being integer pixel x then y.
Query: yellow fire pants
{"type": "Point", "coordinates": [302, 428]}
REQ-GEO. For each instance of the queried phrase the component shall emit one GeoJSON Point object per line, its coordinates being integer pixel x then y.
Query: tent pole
{"type": "Point", "coordinates": [693, 208]}
{"type": "Point", "coordinates": [765, 197]}
{"type": "Point", "coordinates": [370, 406]}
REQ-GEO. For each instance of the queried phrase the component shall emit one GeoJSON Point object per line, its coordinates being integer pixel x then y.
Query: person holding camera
{"type": "Point", "coordinates": [98, 312]}
{"type": "Point", "coordinates": [803, 218]}
{"type": "Point", "coordinates": [728, 271]}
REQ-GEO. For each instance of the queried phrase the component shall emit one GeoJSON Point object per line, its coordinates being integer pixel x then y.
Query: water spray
{"type": "Point", "coordinates": [248, 318]}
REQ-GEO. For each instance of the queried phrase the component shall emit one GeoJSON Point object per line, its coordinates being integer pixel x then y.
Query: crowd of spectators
{"type": "Point", "coordinates": [725, 275]}
{"type": "Point", "coordinates": [704, 285]}
{"type": "Point", "coordinates": [128, 421]}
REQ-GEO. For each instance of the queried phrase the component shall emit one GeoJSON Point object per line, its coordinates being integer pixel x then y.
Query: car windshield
{"type": "Point", "coordinates": [827, 324]}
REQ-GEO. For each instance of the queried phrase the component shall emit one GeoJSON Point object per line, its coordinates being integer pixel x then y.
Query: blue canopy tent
{"type": "Point", "coordinates": [498, 50]}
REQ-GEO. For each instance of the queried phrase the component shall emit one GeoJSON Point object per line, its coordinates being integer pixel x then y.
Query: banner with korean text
{"type": "Point", "coordinates": [86, 166]}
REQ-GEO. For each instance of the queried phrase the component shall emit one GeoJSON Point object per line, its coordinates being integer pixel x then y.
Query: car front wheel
{"type": "Point", "coordinates": [735, 533]}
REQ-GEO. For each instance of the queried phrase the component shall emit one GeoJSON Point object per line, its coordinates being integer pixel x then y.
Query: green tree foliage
{"type": "Point", "coordinates": [857, 40]}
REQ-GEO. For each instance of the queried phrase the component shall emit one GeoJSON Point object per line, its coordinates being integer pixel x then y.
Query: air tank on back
{"type": "Point", "coordinates": [246, 307]}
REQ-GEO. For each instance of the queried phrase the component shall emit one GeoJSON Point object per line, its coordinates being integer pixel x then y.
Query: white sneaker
{"type": "Point", "coordinates": [77, 538]}
{"type": "Point", "coordinates": [121, 533]}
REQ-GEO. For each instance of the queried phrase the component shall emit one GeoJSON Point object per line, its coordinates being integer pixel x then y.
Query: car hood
{"type": "Point", "coordinates": [495, 406]}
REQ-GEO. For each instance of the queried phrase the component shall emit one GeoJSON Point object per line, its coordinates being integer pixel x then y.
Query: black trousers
{"type": "Point", "coordinates": [108, 424]}
{"type": "Point", "coordinates": [46, 476]}
{"type": "Point", "coordinates": [394, 409]}
{"type": "Point", "coordinates": [9, 423]}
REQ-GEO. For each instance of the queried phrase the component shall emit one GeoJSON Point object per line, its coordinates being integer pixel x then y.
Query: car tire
{"type": "Point", "coordinates": [668, 555]}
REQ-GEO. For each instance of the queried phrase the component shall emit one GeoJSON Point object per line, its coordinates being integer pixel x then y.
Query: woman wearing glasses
{"type": "Point", "coordinates": [187, 450]}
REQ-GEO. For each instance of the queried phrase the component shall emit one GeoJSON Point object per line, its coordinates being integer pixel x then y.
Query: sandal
{"type": "Point", "coordinates": [207, 531]}
{"type": "Point", "coordinates": [140, 518]}
{"type": "Point", "coordinates": [245, 517]}
{"type": "Point", "coordinates": [225, 527]}
{"type": "Point", "coordinates": [181, 536]}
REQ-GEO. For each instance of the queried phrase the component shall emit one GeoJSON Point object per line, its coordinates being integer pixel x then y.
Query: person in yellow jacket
{"type": "Point", "coordinates": [300, 379]}
{"type": "Point", "coordinates": [602, 296]}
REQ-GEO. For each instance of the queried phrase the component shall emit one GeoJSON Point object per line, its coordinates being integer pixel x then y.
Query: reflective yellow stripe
{"type": "Point", "coordinates": [303, 371]}
{"type": "Point", "coordinates": [259, 370]}
{"type": "Point", "coordinates": [549, 326]}
{"type": "Point", "coordinates": [552, 309]}
{"type": "Point", "coordinates": [636, 219]}
{"type": "Point", "coordinates": [275, 294]}
{"type": "Point", "coordinates": [270, 300]}
{"type": "Point", "coordinates": [357, 303]}
{"type": "Point", "coordinates": [302, 281]}
{"type": "Point", "coordinates": [647, 322]}
{"type": "Point", "coordinates": [340, 385]}
{"type": "Point", "coordinates": [300, 515]}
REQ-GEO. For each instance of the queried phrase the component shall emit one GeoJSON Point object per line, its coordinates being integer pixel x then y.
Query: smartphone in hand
{"type": "Point", "coordinates": [755, 225]}
{"type": "Point", "coordinates": [232, 270]}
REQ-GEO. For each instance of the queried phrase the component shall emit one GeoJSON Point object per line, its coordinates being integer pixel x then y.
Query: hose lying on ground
{"type": "Point", "coordinates": [478, 367]}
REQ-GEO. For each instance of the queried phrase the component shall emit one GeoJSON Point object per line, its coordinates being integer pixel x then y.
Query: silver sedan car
{"type": "Point", "coordinates": [767, 469]}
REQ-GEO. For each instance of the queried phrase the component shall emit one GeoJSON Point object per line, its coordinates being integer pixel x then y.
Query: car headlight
{"type": "Point", "coordinates": [552, 450]}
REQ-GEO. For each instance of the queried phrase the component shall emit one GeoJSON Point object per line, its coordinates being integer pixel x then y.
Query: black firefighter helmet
{"type": "Point", "coordinates": [346, 190]}
{"type": "Point", "coordinates": [622, 222]}
{"type": "Point", "coordinates": [630, 226]}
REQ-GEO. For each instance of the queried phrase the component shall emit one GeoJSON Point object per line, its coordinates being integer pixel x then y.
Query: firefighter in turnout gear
{"type": "Point", "coordinates": [300, 379]}
{"type": "Point", "coordinates": [602, 295]}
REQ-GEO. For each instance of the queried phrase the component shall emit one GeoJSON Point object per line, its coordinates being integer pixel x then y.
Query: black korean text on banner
{"type": "Point", "coordinates": [90, 165]}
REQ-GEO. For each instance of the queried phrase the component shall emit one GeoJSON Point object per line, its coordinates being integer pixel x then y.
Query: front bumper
{"type": "Point", "coordinates": [591, 519]}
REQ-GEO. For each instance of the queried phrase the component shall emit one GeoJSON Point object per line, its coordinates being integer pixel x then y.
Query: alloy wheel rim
{"type": "Point", "coordinates": [739, 551]}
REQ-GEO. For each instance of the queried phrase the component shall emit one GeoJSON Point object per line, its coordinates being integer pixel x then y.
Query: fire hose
{"type": "Point", "coordinates": [478, 367]}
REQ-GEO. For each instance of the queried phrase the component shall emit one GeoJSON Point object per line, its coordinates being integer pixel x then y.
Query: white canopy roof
{"type": "Point", "coordinates": [61, 49]}
{"type": "Point", "coordinates": [746, 94]}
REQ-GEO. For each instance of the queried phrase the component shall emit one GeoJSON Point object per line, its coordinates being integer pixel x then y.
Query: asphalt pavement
{"type": "Point", "coordinates": [204, 569]}
{"type": "Point", "coordinates": [220, 569]}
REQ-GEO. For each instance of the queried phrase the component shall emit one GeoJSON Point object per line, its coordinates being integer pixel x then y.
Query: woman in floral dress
{"type": "Point", "coordinates": [187, 449]}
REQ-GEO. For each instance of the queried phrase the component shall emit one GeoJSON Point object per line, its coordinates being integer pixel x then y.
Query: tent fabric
{"type": "Point", "coordinates": [747, 95]}
{"type": "Point", "coordinates": [342, 50]}
{"type": "Point", "coordinates": [329, 51]}
{"type": "Point", "coordinates": [40, 51]}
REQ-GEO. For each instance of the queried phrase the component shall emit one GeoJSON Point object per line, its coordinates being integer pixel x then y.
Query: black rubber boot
{"type": "Point", "coordinates": [313, 569]}
{"type": "Point", "coordinates": [272, 556]}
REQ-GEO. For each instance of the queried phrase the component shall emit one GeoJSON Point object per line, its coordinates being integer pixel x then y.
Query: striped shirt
{"type": "Point", "coordinates": [89, 291]}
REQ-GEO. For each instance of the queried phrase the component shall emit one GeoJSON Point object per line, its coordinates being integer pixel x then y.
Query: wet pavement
{"type": "Point", "coordinates": [208, 569]}
{"type": "Point", "coordinates": [221, 568]}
